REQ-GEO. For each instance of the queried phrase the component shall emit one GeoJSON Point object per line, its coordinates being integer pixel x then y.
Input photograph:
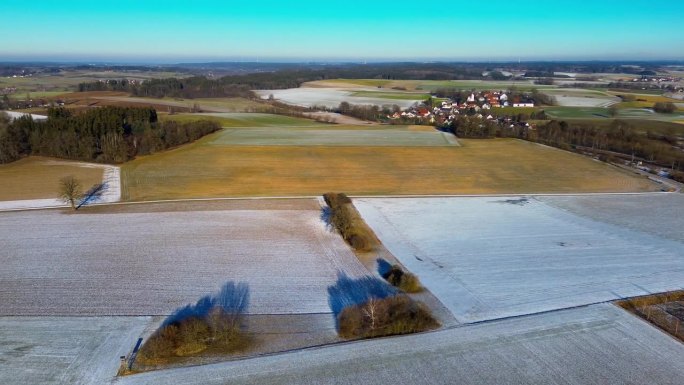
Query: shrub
{"type": "Point", "coordinates": [349, 291]}
{"type": "Point", "coordinates": [383, 317]}
{"type": "Point", "coordinates": [348, 222]}
{"type": "Point", "coordinates": [404, 280]}
{"type": "Point", "coordinates": [213, 322]}
{"type": "Point", "coordinates": [336, 200]}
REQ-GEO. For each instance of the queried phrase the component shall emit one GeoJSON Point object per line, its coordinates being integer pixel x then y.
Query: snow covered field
{"type": "Point", "coordinates": [329, 97]}
{"type": "Point", "coordinates": [493, 257]}
{"type": "Point", "coordinates": [16, 115]}
{"type": "Point", "coordinates": [600, 344]}
{"type": "Point", "coordinates": [63, 350]}
{"type": "Point", "coordinates": [657, 214]}
{"type": "Point", "coordinates": [569, 97]}
{"type": "Point", "coordinates": [150, 263]}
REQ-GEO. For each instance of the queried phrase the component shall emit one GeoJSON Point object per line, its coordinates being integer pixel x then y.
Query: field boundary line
{"type": "Point", "coordinates": [298, 197]}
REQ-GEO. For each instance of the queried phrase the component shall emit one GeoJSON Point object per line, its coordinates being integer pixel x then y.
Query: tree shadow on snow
{"type": "Point", "coordinates": [350, 292]}
{"type": "Point", "coordinates": [384, 267]}
{"type": "Point", "coordinates": [232, 299]}
{"type": "Point", "coordinates": [93, 195]}
{"type": "Point", "coordinates": [326, 217]}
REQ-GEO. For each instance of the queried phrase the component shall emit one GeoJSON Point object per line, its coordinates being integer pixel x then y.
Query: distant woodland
{"type": "Point", "coordinates": [281, 76]}
{"type": "Point", "coordinates": [240, 85]}
{"type": "Point", "coordinates": [194, 87]}
{"type": "Point", "coordinates": [107, 135]}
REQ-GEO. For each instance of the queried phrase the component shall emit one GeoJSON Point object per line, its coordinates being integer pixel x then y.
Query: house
{"type": "Point", "coordinates": [422, 111]}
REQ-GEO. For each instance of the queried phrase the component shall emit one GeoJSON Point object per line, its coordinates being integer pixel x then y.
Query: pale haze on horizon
{"type": "Point", "coordinates": [168, 31]}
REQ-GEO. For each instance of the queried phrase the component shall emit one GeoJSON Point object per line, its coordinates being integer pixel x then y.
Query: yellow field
{"type": "Point", "coordinates": [478, 167]}
{"type": "Point", "coordinates": [38, 178]}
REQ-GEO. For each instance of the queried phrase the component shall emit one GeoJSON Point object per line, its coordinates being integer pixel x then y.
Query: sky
{"type": "Point", "coordinates": [265, 30]}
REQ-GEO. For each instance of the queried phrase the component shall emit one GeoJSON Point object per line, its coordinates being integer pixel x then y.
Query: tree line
{"type": "Point", "coordinates": [106, 135]}
{"type": "Point", "coordinates": [193, 87]}
{"type": "Point", "coordinates": [618, 137]}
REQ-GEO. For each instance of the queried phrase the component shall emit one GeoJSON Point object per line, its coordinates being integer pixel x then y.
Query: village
{"type": "Point", "coordinates": [478, 104]}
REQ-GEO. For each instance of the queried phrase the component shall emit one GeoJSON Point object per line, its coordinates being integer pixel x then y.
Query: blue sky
{"type": "Point", "coordinates": [267, 30]}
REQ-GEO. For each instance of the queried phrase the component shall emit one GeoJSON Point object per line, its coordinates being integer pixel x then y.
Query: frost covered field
{"type": "Point", "coordinates": [63, 350]}
{"type": "Point", "coordinates": [149, 263]}
{"type": "Point", "coordinates": [493, 257]}
{"type": "Point", "coordinates": [330, 97]}
{"type": "Point", "coordinates": [657, 214]}
{"type": "Point", "coordinates": [571, 97]}
{"type": "Point", "coordinates": [599, 344]}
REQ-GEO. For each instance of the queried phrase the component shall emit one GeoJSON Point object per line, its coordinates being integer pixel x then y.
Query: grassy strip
{"type": "Point", "coordinates": [347, 220]}
{"type": "Point", "coordinates": [665, 311]}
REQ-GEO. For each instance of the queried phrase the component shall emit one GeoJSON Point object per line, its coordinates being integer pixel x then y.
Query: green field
{"type": "Point", "coordinates": [502, 111]}
{"type": "Point", "coordinates": [391, 95]}
{"type": "Point", "coordinates": [578, 92]}
{"type": "Point", "coordinates": [331, 135]}
{"type": "Point", "coordinates": [603, 113]}
{"type": "Point", "coordinates": [35, 94]}
{"type": "Point", "coordinates": [245, 119]}
{"type": "Point", "coordinates": [577, 112]}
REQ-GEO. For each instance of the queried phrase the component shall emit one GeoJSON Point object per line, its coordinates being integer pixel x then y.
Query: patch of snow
{"type": "Point", "coordinates": [16, 115]}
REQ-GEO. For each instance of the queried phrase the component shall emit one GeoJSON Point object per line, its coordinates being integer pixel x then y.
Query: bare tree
{"type": "Point", "coordinates": [70, 190]}
{"type": "Point", "coordinates": [370, 310]}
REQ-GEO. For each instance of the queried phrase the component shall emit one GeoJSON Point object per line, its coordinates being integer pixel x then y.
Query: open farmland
{"type": "Point", "coordinates": [577, 112]}
{"type": "Point", "coordinates": [332, 97]}
{"type": "Point", "coordinates": [205, 104]}
{"type": "Point", "coordinates": [423, 85]}
{"type": "Point", "coordinates": [80, 100]}
{"type": "Point", "coordinates": [66, 81]}
{"type": "Point", "coordinates": [571, 97]}
{"type": "Point", "coordinates": [603, 113]}
{"type": "Point", "coordinates": [391, 95]}
{"type": "Point", "coordinates": [656, 215]}
{"type": "Point", "coordinates": [38, 178]}
{"type": "Point", "coordinates": [391, 136]}
{"type": "Point", "coordinates": [205, 169]}
{"type": "Point", "coordinates": [131, 260]}
{"type": "Point", "coordinates": [245, 119]}
{"type": "Point", "coordinates": [599, 344]}
{"type": "Point", "coordinates": [65, 350]}
{"type": "Point", "coordinates": [494, 257]}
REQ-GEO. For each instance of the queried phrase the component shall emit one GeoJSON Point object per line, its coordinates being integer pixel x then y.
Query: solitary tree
{"type": "Point", "coordinates": [70, 190]}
